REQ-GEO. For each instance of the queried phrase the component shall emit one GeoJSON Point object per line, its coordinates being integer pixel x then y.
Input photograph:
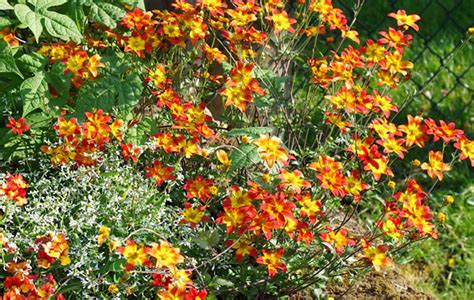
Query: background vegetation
{"type": "Point", "coordinates": [445, 78]}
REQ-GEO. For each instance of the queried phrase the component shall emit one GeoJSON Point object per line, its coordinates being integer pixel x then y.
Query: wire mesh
{"type": "Point", "coordinates": [442, 82]}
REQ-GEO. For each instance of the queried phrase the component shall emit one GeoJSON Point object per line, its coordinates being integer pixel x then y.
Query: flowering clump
{"type": "Point", "coordinates": [14, 188]}
{"type": "Point", "coordinates": [187, 127]}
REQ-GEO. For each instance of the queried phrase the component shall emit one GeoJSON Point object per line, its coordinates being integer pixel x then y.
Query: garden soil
{"type": "Point", "coordinates": [390, 284]}
{"type": "Point", "coordinates": [386, 284]}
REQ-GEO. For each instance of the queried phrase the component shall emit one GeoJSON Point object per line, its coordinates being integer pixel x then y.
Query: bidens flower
{"type": "Point", "coordinates": [18, 126]}
{"type": "Point", "coordinates": [270, 150]}
{"type": "Point", "coordinates": [272, 260]}
{"type": "Point", "coordinates": [376, 255]}
{"type": "Point", "coordinates": [435, 166]}
{"type": "Point", "coordinates": [14, 188]}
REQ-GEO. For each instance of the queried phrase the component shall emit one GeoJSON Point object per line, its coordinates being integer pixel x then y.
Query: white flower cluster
{"type": "Point", "coordinates": [78, 201]}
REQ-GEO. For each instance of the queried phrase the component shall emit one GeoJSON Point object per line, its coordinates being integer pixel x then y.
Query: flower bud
{"type": "Point", "coordinates": [448, 199]}
{"type": "Point", "coordinates": [246, 139]}
{"type": "Point", "coordinates": [213, 190]}
{"type": "Point", "coordinates": [415, 163]}
{"type": "Point", "coordinates": [113, 289]}
{"type": "Point", "coordinates": [391, 185]}
{"type": "Point", "coordinates": [266, 178]}
{"type": "Point", "coordinates": [470, 32]}
{"type": "Point", "coordinates": [451, 262]}
{"type": "Point", "coordinates": [441, 217]}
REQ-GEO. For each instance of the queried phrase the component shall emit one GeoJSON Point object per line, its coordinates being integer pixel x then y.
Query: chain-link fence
{"type": "Point", "coordinates": [443, 78]}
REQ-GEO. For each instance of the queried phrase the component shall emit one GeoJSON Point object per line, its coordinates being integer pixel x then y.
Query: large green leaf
{"type": "Point", "coordinates": [96, 94]}
{"type": "Point", "coordinates": [33, 62]}
{"type": "Point", "coordinates": [39, 120]}
{"type": "Point", "coordinates": [106, 13]}
{"type": "Point", "coordinates": [243, 156]}
{"type": "Point", "coordinates": [60, 82]}
{"type": "Point", "coordinates": [29, 18]}
{"type": "Point", "coordinates": [129, 91]}
{"type": "Point", "coordinates": [61, 26]}
{"type": "Point", "coordinates": [137, 134]}
{"type": "Point", "coordinates": [7, 61]}
{"type": "Point", "coordinates": [4, 5]}
{"type": "Point", "coordinates": [56, 24]}
{"type": "Point", "coordinates": [109, 93]}
{"type": "Point", "coordinates": [34, 93]}
{"type": "Point", "coordinates": [45, 4]}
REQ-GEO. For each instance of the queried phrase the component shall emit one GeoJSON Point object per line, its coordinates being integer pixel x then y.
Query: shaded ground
{"type": "Point", "coordinates": [389, 284]}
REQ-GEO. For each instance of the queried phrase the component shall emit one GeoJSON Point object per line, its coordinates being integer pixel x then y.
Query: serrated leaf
{"type": "Point", "coordinates": [39, 120]}
{"type": "Point", "coordinates": [253, 131]}
{"type": "Point", "coordinates": [243, 156]}
{"type": "Point", "coordinates": [61, 26]}
{"type": "Point", "coordinates": [34, 93]}
{"type": "Point", "coordinates": [96, 94]}
{"type": "Point", "coordinates": [129, 91]}
{"type": "Point", "coordinates": [4, 5]}
{"type": "Point", "coordinates": [33, 62]}
{"type": "Point", "coordinates": [106, 14]}
{"type": "Point", "coordinates": [7, 61]}
{"type": "Point", "coordinates": [29, 18]}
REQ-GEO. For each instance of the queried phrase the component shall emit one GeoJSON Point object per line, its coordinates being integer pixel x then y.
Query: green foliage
{"type": "Point", "coordinates": [7, 60]}
{"type": "Point", "coordinates": [243, 156]}
{"type": "Point", "coordinates": [36, 16]}
{"type": "Point", "coordinates": [106, 13]}
{"type": "Point", "coordinates": [34, 93]}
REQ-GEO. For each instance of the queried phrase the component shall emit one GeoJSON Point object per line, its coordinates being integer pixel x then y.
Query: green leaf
{"type": "Point", "coordinates": [252, 131]}
{"type": "Point", "coordinates": [129, 91]}
{"type": "Point", "coordinates": [29, 18]}
{"type": "Point", "coordinates": [45, 4]}
{"type": "Point", "coordinates": [72, 285]}
{"type": "Point", "coordinates": [137, 134]}
{"type": "Point", "coordinates": [243, 156]}
{"type": "Point", "coordinates": [96, 94]}
{"type": "Point", "coordinates": [39, 120]}
{"type": "Point", "coordinates": [7, 61]}
{"type": "Point", "coordinates": [106, 14]}
{"type": "Point", "coordinates": [61, 26]}
{"type": "Point", "coordinates": [5, 135]}
{"type": "Point", "coordinates": [34, 93]}
{"type": "Point", "coordinates": [6, 22]}
{"type": "Point", "coordinates": [207, 239]}
{"type": "Point", "coordinates": [4, 5]}
{"type": "Point", "coordinates": [135, 3]}
{"type": "Point", "coordinates": [124, 96]}
{"type": "Point", "coordinates": [118, 265]}
{"type": "Point", "coordinates": [33, 62]}
{"type": "Point", "coordinates": [60, 82]}
{"type": "Point", "coordinates": [219, 281]}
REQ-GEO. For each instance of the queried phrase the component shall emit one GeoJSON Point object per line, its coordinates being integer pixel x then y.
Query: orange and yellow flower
{"type": "Point", "coordinates": [270, 150]}
{"type": "Point", "coordinates": [272, 259]}
{"type": "Point", "coordinates": [435, 165]}
{"type": "Point", "coordinates": [14, 188]}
